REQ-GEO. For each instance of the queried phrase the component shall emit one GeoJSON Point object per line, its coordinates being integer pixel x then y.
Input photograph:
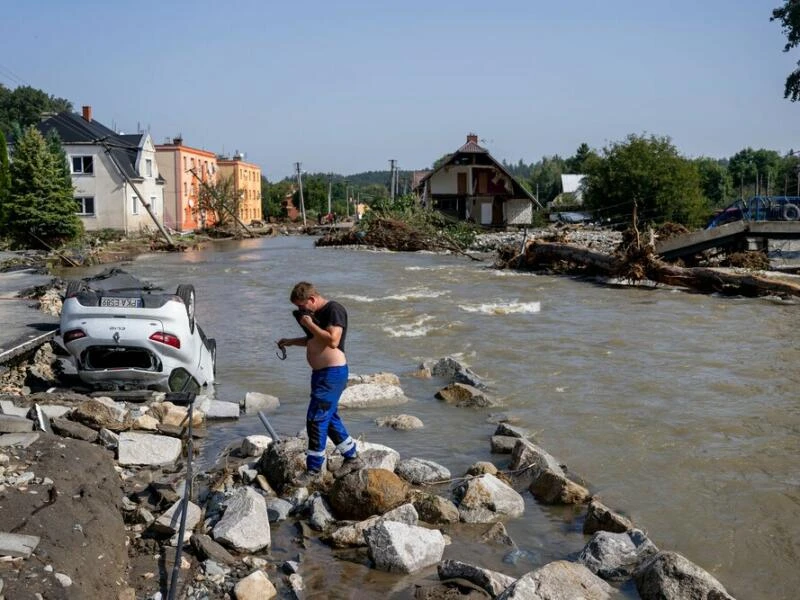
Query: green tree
{"type": "Point", "coordinates": [756, 172]}
{"type": "Point", "coordinates": [577, 163]}
{"type": "Point", "coordinates": [646, 174]}
{"type": "Point", "coordinates": [714, 181]}
{"type": "Point", "coordinates": [41, 207]}
{"type": "Point", "coordinates": [546, 178]}
{"type": "Point", "coordinates": [5, 176]}
{"type": "Point", "coordinates": [221, 198]}
{"type": "Point", "coordinates": [789, 17]}
{"type": "Point", "coordinates": [24, 106]}
{"type": "Point", "coordinates": [272, 195]}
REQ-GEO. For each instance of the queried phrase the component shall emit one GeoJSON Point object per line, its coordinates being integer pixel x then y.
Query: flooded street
{"type": "Point", "coordinates": [679, 410]}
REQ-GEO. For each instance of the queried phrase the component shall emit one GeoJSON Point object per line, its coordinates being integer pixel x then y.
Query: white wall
{"type": "Point", "coordinates": [113, 198]}
{"type": "Point", "coordinates": [446, 180]}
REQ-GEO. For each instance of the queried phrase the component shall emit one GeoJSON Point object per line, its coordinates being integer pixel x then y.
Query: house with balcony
{"type": "Point", "coordinates": [470, 185]}
{"type": "Point", "coordinates": [186, 169]}
{"type": "Point", "coordinates": [114, 175]}
{"type": "Point", "coordinates": [246, 182]}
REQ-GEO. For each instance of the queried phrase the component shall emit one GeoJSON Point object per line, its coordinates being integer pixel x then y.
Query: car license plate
{"type": "Point", "coordinates": [117, 302]}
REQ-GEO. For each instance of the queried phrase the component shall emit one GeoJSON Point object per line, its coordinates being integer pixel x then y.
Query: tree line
{"type": "Point", "coordinates": [648, 171]}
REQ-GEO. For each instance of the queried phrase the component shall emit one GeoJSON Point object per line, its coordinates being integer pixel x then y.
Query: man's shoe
{"type": "Point", "coordinates": [308, 478]}
{"type": "Point", "coordinates": [349, 466]}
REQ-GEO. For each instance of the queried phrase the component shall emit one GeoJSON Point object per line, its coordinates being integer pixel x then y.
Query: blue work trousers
{"type": "Point", "coordinates": [322, 419]}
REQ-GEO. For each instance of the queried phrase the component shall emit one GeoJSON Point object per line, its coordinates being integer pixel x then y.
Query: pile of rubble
{"type": "Point", "coordinates": [394, 514]}
{"type": "Point", "coordinates": [596, 238]}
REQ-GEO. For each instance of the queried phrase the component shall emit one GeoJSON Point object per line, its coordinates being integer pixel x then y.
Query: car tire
{"type": "Point", "coordinates": [73, 288]}
{"type": "Point", "coordinates": [212, 348]}
{"type": "Point", "coordinates": [186, 293]}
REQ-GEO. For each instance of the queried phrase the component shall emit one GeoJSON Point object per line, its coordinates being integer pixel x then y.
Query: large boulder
{"type": "Point", "coordinates": [615, 556]}
{"type": "Point", "coordinates": [255, 586]}
{"type": "Point", "coordinates": [256, 401]}
{"type": "Point", "coordinates": [400, 422]}
{"type": "Point", "coordinates": [419, 470]}
{"type": "Point", "coordinates": [372, 395]}
{"type": "Point", "coordinates": [400, 548]}
{"type": "Point", "coordinates": [453, 370]}
{"type": "Point", "coordinates": [147, 449]}
{"type": "Point", "coordinates": [486, 499]}
{"type": "Point", "coordinates": [556, 581]}
{"type": "Point", "coordinates": [436, 509]}
{"type": "Point", "coordinates": [101, 412]}
{"type": "Point", "coordinates": [544, 476]}
{"type": "Point", "coordinates": [245, 525]}
{"type": "Point", "coordinates": [367, 492]}
{"type": "Point", "coordinates": [383, 377]}
{"type": "Point", "coordinates": [490, 581]}
{"type": "Point", "coordinates": [282, 462]}
{"type": "Point", "coordinates": [465, 396]}
{"type": "Point", "coordinates": [601, 518]}
{"type": "Point", "coordinates": [671, 576]}
{"type": "Point", "coordinates": [353, 535]}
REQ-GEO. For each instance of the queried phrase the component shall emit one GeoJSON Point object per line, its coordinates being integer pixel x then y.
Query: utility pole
{"type": "Point", "coordinates": [330, 183]}
{"type": "Point", "coordinates": [143, 202]}
{"type": "Point", "coordinates": [300, 184]}
{"type": "Point", "coordinates": [391, 184]}
{"type": "Point", "coordinates": [347, 199]}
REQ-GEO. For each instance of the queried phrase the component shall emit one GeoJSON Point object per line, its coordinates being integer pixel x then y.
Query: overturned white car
{"type": "Point", "coordinates": [125, 334]}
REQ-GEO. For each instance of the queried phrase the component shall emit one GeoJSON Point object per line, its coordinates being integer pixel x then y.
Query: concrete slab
{"type": "Point", "coordinates": [18, 439]}
{"type": "Point", "coordinates": [15, 544]}
{"type": "Point", "coordinates": [22, 321]}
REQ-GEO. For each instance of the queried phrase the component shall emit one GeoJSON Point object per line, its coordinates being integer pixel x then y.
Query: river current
{"type": "Point", "coordinates": [679, 410]}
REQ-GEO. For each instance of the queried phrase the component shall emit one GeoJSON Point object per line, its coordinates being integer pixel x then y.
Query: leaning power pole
{"type": "Point", "coordinates": [300, 184]}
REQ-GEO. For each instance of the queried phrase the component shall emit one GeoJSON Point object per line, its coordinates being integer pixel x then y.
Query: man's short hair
{"type": "Point", "coordinates": [303, 291]}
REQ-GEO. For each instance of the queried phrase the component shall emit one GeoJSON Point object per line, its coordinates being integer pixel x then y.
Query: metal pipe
{"type": "Point", "coordinates": [266, 424]}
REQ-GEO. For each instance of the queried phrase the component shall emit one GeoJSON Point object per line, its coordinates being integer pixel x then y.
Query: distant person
{"type": "Point", "coordinates": [325, 325]}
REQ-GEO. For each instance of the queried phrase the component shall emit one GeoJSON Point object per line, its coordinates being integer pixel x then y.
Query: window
{"type": "Point", "coordinates": [148, 167]}
{"type": "Point", "coordinates": [83, 165]}
{"type": "Point", "coordinates": [85, 205]}
{"type": "Point", "coordinates": [153, 206]}
{"type": "Point", "coordinates": [185, 188]}
{"type": "Point", "coordinates": [134, 205]}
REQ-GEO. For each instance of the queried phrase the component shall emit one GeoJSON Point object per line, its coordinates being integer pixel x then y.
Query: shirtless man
{"type": "Point", "coordinates": [325, 324]}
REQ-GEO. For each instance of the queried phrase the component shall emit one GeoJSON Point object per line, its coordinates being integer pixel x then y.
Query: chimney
{"type": "Point", "coordinates": [472, 137]}
{"type": "Point", "coordinates": [87, 113]}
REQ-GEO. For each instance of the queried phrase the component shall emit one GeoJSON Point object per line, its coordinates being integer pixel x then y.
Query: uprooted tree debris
{"type": "Point", "coordinates": [398, 235]}
{"type": "Point", "coordinates": [635, 260]}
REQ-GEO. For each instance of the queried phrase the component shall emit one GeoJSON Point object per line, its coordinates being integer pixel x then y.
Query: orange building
{"type": "Point", "coordinates": [184, 168]}
{"type": "Point", "coordinates": [247, 182]}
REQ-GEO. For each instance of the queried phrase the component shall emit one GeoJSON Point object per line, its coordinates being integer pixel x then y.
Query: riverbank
{"type": "Point", "coordinates": [557, 343]}
{"type": "Point", "coordinates": [114, 466]}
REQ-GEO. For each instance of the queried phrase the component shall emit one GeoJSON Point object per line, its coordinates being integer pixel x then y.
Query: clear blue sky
{"type": "Point", "coordinates": [345, 86]}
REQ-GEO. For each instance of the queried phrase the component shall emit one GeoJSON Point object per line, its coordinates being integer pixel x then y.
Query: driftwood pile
{"type": "Point", "coordinates": [635, 261]}
{"type": "Point", "coordinates": [393, 234]}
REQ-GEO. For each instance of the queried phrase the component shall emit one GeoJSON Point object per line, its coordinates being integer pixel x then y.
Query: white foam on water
{"type": "Point", "coordinates": [415, 329]}
{"type": "Point", "coordinates": [416, 293]}
{"type": "Point", "coordinates": [357, 298]}
{"type": "Point", "coordinates": [503, 308]}
{"type": "Point", "coordinates": [411, 294]}
{"type": "Point", "coordinates": [430, 268]}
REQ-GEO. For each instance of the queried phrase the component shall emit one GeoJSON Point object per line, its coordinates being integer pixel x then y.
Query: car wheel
{"type": "Point", "coordinates": [73, 288]}
{"type": "Point", "coordinates": [186, 293]}
{"type": "Point", "coordinates": [212, 348]}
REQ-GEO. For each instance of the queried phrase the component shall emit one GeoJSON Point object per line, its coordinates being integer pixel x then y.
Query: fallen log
{"type": "Point", "coordinates": [638, 264]}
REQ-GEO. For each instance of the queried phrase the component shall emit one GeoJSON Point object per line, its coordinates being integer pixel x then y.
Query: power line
{"type": "Point", "coordinates": [11, 76]}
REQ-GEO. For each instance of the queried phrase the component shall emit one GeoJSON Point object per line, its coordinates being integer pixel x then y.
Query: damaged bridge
{"type": "Point", "coordinates": [780, 239]}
